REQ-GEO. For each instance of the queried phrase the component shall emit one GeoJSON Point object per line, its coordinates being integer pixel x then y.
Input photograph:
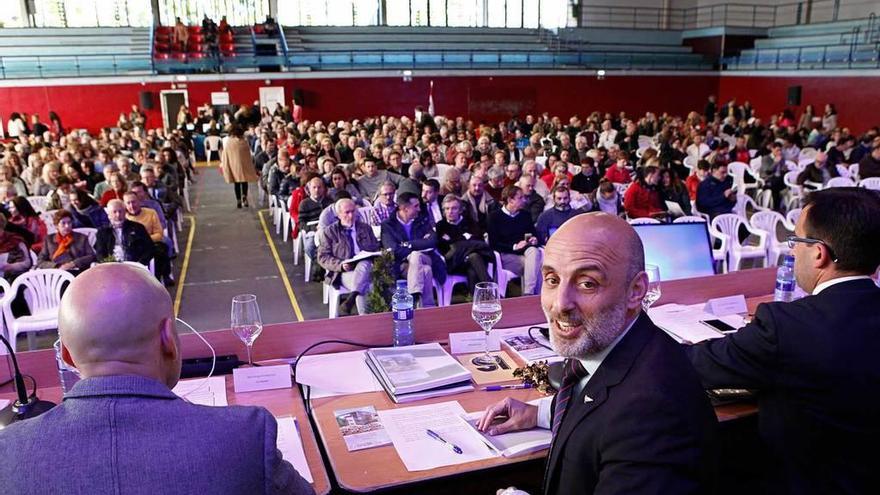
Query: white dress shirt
{"type": "Point", "coordinates": [591, 364]}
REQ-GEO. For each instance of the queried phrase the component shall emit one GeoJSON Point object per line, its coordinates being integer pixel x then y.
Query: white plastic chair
{"type": "Point", "coordinates": [445, 292]}
{"type": "Point", "coordinates": [43, 296]}
{"type": "Point", "coordinates": [840, 182]}
{"type": "Point", "coordinates": [792, 216]}
{"type": "Point", "coordinates": [755, 164]}
{"type": "Point", "coordinates": [89, 232]}
{"type": "Point", "coordinates": [743, 203]}
{"type": "Point", "coordinates": [795, 192]}
{"type": "Point", "coordinates": [38, 202]}
{"type": "Point", "coordinates": [502, 276]}
{"type": "Point", "coordinates": [643, 221]}
{"type": "Point", "coordinates": [729, 224]}
{"type": "Point", "coordinates": [286, 219]}
{"type": "Point", "coordinates": [689, 162]}
{"type": "Point", "coordinates": [739, 170]}
{"type": "Point", "coordinates": [718, 254]}
{"type": "Point", "coordinates": [768, 221]}
{"type": "Point", "coordinates": [645, 141]}
{"type": "Point", "coordinates": [854, 171]}
{"type": "Point", "coordinates": [331, 296]}
{"type": "Point", "coordinates": [843, 171]}
{"type": "Point", "coordinates": [872, 183]}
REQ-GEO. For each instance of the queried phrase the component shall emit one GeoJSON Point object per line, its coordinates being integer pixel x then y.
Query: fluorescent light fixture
{"type": "Point", "coordinates": [600, 72]}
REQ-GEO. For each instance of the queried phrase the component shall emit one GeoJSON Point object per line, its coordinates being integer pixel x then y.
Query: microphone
{"type": "Point", "coordinates": [25, 406]}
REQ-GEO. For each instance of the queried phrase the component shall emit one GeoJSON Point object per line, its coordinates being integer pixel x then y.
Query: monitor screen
{"type": "Point", "coordinates": [681, 250]}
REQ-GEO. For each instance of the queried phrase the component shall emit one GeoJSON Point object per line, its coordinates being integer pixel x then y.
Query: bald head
{"type": "Point", "coordinates": [593, 283]}
{"type": "Point", "coordinates": [117, 319]}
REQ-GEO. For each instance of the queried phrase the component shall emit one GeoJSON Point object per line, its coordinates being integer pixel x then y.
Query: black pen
{"type": "Point", "coordinates": [437, 437]}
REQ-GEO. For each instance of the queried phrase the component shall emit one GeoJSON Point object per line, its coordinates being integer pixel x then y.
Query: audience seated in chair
{"type": "Point", "coordinates": [66, 249]}
{"type": "Point", "coordinates": [413, 241]}
{"type": "Point", "coordinates": [513, 235]}
{"type": "Point", "coordinates": [122, 239]}
{"type": "Point", "coordinates": [461, 243]}
{"type": "Point", "coordinates": [715, 195]}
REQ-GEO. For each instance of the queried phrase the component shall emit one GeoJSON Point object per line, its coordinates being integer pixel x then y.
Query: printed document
{"type": "Point", "coordinates": [291, 447]}
{"type": "Point", "coordinates": [407, 427]}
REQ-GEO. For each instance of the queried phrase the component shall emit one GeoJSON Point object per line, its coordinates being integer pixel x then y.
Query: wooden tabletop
{"type": "Point", "coordinates": [381, 467]}
{"type": "Point", "coordinates": [286, 402]}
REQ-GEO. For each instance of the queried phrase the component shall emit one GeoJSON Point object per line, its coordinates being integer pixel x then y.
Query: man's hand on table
{"type": "Point", "coordinates": [520, 416]}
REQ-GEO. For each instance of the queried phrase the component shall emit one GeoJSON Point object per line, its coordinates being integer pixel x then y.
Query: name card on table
{"type": "Point", "coordinates": [261, 378]}
{"type": "Point", "coordinates": [468, 342]}
{"type": "Point", "coordinates": [723, 306]}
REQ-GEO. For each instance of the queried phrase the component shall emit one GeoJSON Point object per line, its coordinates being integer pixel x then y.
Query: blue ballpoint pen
{"type": "Point", "coordinates": [437, 437]}
{"type": "Point", "coordinates": [495, 388]}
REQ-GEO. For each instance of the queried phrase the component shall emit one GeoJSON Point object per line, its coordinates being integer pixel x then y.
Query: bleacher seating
{"type": "Point", "coordinates": [832, 45]}
{"type": "Point", "coordinates": [60, 52]}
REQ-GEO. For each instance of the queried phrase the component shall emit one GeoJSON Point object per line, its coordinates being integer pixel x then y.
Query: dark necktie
{"type": "Point", "coordinates": [574, 372]}
{"type": "Point", "coordinates": [350, 241]}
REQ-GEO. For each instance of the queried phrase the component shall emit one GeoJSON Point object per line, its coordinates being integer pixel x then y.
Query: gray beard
{"type": "Point", "coordinates": [599, 331]}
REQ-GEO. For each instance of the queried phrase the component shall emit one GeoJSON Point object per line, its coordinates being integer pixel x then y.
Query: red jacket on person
{"type": "Point", "coordinates": [641, 201]}
{"type": "Point", "coordinates": [617, 175]}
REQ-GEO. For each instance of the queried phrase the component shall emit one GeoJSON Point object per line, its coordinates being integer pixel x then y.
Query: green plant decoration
{"type": "Point", "coordinates": [379, 296]}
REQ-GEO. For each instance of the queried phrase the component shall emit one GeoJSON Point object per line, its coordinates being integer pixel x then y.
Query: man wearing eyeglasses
{"type": "Point", "coordinates": [813, 362]}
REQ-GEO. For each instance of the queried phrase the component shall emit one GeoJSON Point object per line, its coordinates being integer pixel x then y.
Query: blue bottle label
{"type": "Point", "coordinates": [403, 314]}
{"type": "Point", "coordinates": [787, 285]}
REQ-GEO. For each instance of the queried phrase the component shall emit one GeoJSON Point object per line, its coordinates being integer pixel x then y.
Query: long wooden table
{"type": "Point", "coordinates": [379, 468]}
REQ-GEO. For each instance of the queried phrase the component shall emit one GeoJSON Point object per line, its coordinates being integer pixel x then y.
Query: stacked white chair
{"type": "Point", "coordinates": [729, 224]}
{"type": "Point", "coordinates": [42, 292]}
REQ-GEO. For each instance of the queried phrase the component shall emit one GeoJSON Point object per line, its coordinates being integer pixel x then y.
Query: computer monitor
{"type": "Point", "coordinates": [681, 250]}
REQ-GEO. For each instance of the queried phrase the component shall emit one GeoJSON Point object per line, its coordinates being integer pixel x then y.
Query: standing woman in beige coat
{"type": "Point", "coordinates": [237, 165]}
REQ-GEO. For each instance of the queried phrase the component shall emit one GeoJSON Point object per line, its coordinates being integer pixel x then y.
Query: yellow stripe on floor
{"type": "Point", "coordinates": [189, 242]}
{"type": "Point", "coordinates": [284, 278]}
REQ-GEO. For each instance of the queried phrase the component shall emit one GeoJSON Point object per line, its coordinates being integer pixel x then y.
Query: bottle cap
{"type": "Point", "coordinates": [401, 284]}
{"type": "Point", "coordinates": [789, 260]}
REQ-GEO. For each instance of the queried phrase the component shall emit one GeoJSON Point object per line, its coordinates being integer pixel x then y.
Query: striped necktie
{"type": "Point", "coordinates": [574, 372]}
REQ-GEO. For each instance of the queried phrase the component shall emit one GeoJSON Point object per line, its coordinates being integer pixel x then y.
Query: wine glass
{"type": "Point", "coordinates": [246, 322]}
{"type": "Point", "coordinates": [486, 312]}
{"type": "Point", "coordinates": [653, 293]}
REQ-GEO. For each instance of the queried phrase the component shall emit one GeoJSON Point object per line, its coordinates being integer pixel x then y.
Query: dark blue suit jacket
{"type": "Point", "coordinates": [814, 363]}
{"type": "Point", "coordinates": [649, 427]}
{"type": "Point", "coordinates": [421, 237]}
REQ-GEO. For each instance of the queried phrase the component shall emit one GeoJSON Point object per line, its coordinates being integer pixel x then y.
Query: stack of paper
{"type": "Point", "coordinates": [683, 322]}
{"type": "Point", "coordinates": [418, 372]}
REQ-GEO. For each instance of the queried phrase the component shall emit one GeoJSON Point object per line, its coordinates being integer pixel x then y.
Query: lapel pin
{"type": "Point", "coordinates": [587, 399]}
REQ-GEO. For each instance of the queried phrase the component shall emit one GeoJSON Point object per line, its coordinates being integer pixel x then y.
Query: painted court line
{"type": "Point", "coordinates": [284, 278]}
{"type": "Point", "coordinates": [185, 266]}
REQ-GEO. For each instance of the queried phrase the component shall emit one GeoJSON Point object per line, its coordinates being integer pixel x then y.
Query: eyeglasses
{"type": "Point", "coordinates": [806, 240]}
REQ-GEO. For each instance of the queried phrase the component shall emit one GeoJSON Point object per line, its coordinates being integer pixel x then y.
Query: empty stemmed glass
{"type": "Point", "coordinates": [653, 293]}
{"type": "Point", "coordinates": [486, 312]}
{"type": "Point", "coordinates": [246, 321]}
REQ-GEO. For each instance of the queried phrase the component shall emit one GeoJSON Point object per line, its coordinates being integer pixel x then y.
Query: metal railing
{"type": "Point", "coordinates": [726, 14]}
{"type": "Point", "coordinates": [796, 58]}
{"type": "Point", "coordinates": [41, 66]}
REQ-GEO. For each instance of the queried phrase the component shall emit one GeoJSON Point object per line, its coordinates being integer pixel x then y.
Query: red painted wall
{"type": "Point", "coordinates": [854, 97]}
{"type": "Point", "coordinates": [478, 98]}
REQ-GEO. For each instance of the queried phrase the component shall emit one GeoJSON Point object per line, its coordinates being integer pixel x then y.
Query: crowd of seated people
{"type": "Point", "coordinates": [125, 183]}
{"type": "Point", "coordinates": [509, 187]}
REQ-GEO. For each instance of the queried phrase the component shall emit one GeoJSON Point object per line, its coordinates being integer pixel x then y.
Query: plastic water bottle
{"type": "Point", "coordinates": [785, 282]}
{"type": "Point", "coordinates": [402, 312]}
